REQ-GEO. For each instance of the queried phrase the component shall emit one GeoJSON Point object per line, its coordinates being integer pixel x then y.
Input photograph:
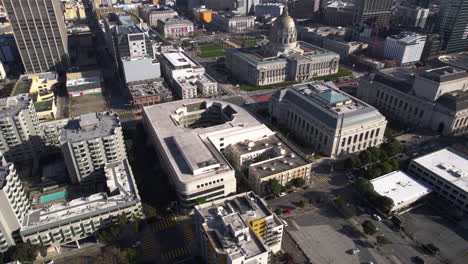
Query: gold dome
{"type": "Point", "coordinates": [284, 29]}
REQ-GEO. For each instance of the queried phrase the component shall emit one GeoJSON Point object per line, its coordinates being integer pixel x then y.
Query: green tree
{"type": "Point", "coordinates": [273, 187]}
{"type": "Point", "coordinates": [383, 156]}
{"type": "Point", "coordinates": [374, 172]}
{"type": "Point", "coordinates": [365, 156]}
{"type": "Point", "coordinates": [352, 163]}
{"type": "Point", "coordinates": [278, 211]}
{"type": "Point", "coordinates": [298, 182]}
{"type": "Point", "coordinates": [312, 201]}
{"type": "Point", "coordinates": [394, 163]}
{"type": "Point", "coordinates": [132, 256]}
{"type": "Point", "coordinates": [385, 167]}
{"type": "Point", "coordinates": [369, 227]}
{"type": "Point", "coordinates": [363, 186]}
{"type": "Point", "coordinates": [393, 147]}
{"type": "Point", "coordinates": [149, 210]}
{"type": "Point", "coordinates": [376, 153]}
{"type": "Point", "coordinates": [340, 202]}
{"type": "Point", "coordinates": [22, 252]}
{"type": "Point", "coordinates": [200, 200]}
{"type": "Point", "coordinates": [382, 240]}
{"type": "Point", "coordinates": [301, 204]}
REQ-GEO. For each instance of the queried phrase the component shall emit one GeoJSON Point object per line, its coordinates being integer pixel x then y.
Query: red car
{"type": "Point", "coordinates": [287, 211]}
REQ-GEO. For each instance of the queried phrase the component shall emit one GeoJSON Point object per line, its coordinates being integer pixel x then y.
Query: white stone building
{"type": "Point", "coordinates": [232, 22]}
{"type": "Point", "coordinates": [405, 48]}
{"type": "Point", "coordinates": [175, 27]}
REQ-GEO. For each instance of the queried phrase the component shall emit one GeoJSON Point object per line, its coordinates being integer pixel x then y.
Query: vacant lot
{"type": "Point", "coordinates": [86, 104]}
{"type": "Point", "coordinates": [210, 50]}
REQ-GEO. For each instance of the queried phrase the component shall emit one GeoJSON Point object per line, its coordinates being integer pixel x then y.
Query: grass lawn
{"type": "Point", "coordinates": [252, 42]}
{"type": "Point", "coordinates": [252, 88]}
{"type": "Point", "coordinates": [211, 50]}
{"type": "Point", "coordinates": [342, 72]}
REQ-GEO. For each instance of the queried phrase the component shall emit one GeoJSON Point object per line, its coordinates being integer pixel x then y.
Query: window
{"type": "Point", "coordinates": [377, 132]}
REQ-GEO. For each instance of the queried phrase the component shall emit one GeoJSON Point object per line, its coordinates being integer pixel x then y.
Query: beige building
{"type": "Point", "coordinates": [231, 22]}
{"type": "Point", "coordinates": [269, 158]}
{"type": "Point", "coordinates": [14, 204]}
{"type": "Point", "coordinates": [151, 14]}
{"type": "Point", "coordinates": [436, 99]}
{"type": "Point", "coordinates": [175, 27]}
{"type": "Point", "coordinates": [74, 10]}
{"type": "Point", "coordinates": [238, 229]}
{"type": "Point", "coordinates": [344, 48]}
{"type": "Point", "coordinates": [331, 121]}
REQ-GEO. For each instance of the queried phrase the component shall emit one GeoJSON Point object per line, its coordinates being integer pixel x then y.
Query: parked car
{"type": "Point", "coordinates": [355, 251]}
{"type": "Point", "coordinates": [49, 262]}
{"type": "Point", "coordinates": [136, 244]}
{"type": "Point", "coordinates": [418, 259]}
{"type": "Point", "coordinates": [287, 211]}
{"type": "Point", "coordinates": [377, 217]}
{"type": "Point", "coordinates": [282, 194]}
{"type": "Point", "coordinates": [284, 223]}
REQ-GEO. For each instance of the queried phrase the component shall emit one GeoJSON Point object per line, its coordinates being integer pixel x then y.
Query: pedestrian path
{"type": "Point", "coordinates": [170, 256]}
{"type": "Point", "coordinates": [148, 245]}
{"type": "Point", "coordinates": [164, 224]}
{"type": "Point", "coordinates": [188, 232]}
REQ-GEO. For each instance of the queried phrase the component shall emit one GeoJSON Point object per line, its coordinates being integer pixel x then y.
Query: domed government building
{"type": "Point", "coordinates": [282, 59]}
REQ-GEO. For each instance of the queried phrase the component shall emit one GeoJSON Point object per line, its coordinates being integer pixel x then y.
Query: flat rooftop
{"type": "Point", "coordinates": [89, 126]}
{"type": "Point", "coordinates": [4, 171]}
{"type": "Point", "coordinates": [459, 60]}
{"type": "Point", "coordinates": [447, 164]}
{"type": "Point", "coordinates": [326, 102]}
{"type": "Point", "coordinates": [399, 187]}
{"type": "Point", "coordinates": [149, 88]}
{"type": "Point", "coordinates": [12, 106]}
{"type": "Point", "coordinates": [121, 192]}
{"type": "Point", "coordinates": [444, 74]}
{"type": "Point", "coordinates": [185, 139]}
{"type": "Point", "coordinates": [179, 59]}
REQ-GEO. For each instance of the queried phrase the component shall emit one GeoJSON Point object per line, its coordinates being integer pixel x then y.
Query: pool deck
{"type": "Point", "coordinates": [37, 199]}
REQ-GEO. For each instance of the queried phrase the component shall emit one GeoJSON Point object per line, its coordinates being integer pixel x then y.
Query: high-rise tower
{"type": "Point", "coordinates": [373, 12]}
{"type": "Point", "coordinates": [40, 33]}
{"type": "Point", "coordinates": [453, 25]}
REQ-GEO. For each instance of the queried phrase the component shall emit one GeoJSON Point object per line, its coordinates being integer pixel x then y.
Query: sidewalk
{"type": "Point", "coordinates": [86, 251]}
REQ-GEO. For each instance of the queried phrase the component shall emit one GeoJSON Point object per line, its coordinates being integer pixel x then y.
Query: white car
{"type": "Point", "coordinates": [354, 251]}
{"type": "Point", "coordinates": [49, 262]}
{"type": "Point", "coordinates": [282, 194]}
{"type": "Point", "coordinates": [284, 223]}
{"type": "Point", "coordinates": [376, 217]}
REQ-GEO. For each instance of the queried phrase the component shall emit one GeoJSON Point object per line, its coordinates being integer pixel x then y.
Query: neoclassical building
{"type": "Point", "coordinates": [282, 59]}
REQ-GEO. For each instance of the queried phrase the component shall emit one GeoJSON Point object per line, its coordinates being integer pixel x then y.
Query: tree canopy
{"type": "Point", "coordinates": [273, 187]}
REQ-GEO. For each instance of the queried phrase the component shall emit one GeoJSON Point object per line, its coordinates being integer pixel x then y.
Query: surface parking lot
{"type": "Point", "coordinates": [427, 226]}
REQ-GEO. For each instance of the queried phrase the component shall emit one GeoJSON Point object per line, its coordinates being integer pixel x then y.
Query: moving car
{"type": "Point", "coordinates": [287, 211]}
{"type": "Point", "coordinates": [376, 217]}
{"type": "Point", "coordinates": [282, 194]}
{"type": "Point", "coordinates": [284, 223]}
{"type": "Point", "coordinates": [355, 251]}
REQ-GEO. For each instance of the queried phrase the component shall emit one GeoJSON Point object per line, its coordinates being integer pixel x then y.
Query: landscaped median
{"type": "Point", "coordinates": [210, 50]}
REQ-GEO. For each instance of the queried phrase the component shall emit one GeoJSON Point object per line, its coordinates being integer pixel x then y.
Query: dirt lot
{"type": "Point", "coordinates": [86, 104]}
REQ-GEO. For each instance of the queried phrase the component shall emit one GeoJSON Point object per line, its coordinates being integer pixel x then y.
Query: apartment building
{"type": "Point", "coordinates": [405, 48]}
{"type": "Point", "coordinates": [14, 204]}
{"type": "Point", "coordinates": [331, 121]}
{"type": "Point", "coordinates": [62, 223]}
{"type": "Point", "coordinates": [435, 99]}
{"type": "Point", "coordinates": [89, 142]}
{"type": "Point", "coordinates": [446, 172]}
{"type": "Point", "coordinates": [269, 158]}
{"type": "Point", "coordinates": [19, 127]}
{"type": "Point", "coordinates": [190, 137]}
{"type": "Point", "coordinates": [238, 229]}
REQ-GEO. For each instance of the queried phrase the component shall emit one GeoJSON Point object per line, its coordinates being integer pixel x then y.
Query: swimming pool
{"type": "Point", "coordinates": [53, 196]}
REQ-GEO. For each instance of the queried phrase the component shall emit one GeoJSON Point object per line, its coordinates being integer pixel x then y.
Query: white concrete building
{"type": "Point", "coordinates": [405, 48]}
{"type": "Point", "coordinates": [446, 172]}
{"type": "Point", "coordinates": [190, 136]}
{"type": "Point", "coordinates": [401, 188]}
{"type": "Point", "coordinates": [233, 22]}
{"type": "Point", "coordinates": [238, 229]}
{"type": "Point", "coordinates": [344, 48]}
{"type": "Point", "coordinates": [175, 27]}
{"type": "Point", "coordinates": [331, 121]}
{"type": "Point", "coordinates": [151, 14]}
{"type": "Point", "coordinates": [14, 204]}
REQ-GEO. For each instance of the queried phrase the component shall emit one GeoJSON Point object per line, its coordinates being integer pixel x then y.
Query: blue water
{"type": "Point", "coordinates": [53, 196]}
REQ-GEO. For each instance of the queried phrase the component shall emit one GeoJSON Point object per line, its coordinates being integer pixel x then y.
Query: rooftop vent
{"type": "Point", "coordinates": [251, 144]}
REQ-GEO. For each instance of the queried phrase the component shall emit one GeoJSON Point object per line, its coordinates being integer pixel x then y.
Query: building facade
{"type": "Point", "coordinates": [405, 48]}
{"type": "Point", "coordinates": [436, 99]}
{"type": "Point", "coordinates": [175, 27]}
{"type": "Point", "coordinates": [234, 23]}
{"type": "Point", "coordinates": [373, 12]}
{"type": "Point", "coordinates": [282, 59]}
{"type": "Point", "coordinates": [42, 44]}
{"type": "Point", "coordinates": [14, 202]}
{"type": "Point", "coordinates": [19, 127]}
{"type": "Point", "coordinates": [238, 229]}
{"type": "Point", "coordinates": [445, 171]}
{"type": "Point", "coordinates": [89, 142]}
{"type": "Point", "coordinates": [344, 48]}
{"type": "Point", "coordinates": [149, 92]}
{"type": "Point", "coordinates": [328, 119]}
{"type": "Point", "coordinates": [151, 15]}
{"type": "Point", "coordinates": [412, 16]}
{"type": "Point", "coordinates": [269, 9]}
{"type": "Point", "coordinates": [453, 20]}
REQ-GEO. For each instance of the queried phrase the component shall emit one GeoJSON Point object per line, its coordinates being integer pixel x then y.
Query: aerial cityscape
{"type": "Point", "coordinates": [234, 131]}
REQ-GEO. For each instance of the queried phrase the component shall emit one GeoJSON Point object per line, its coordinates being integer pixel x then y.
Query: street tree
{"type": "Point", "coordinates": [369, 227]}
{"type": "Point", "coordinates": [273, 187]}
{"type": "Point", "coordinates": [298, 182]}
{"type": "Point", "coordinates": [365, 156]}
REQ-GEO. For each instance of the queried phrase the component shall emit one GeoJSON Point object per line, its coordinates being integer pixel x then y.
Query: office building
{"type": "Point", "coordinates": [241, 7]}
{"type": "Point", "coordinates": [405, 48]}
{"type": "Point", "coordinates": [269, 158]}
{"type": "Point", "coordinates": [344, 48]}
{"type": "Point", "coordinates": [339, 13]}
{"type": "Point", "coordinates": [432, 48]}
{"type": "Point", "coordinates": [401, 188]}
{"type": "Point", "coordinates": [148, 92]}
{"type": "Point", "coordinates": [436, 99]}
{"type": "Point", "coordinates": [43, 45]}
{"type": "Point", "coordinates": [190, 136]}
{"type": "Point", "coordinates": [14, 204]}
{"type": "Point", "coordinates": [89, 142]}
{"type": "Point", "coordinates": [186, 76]}
{"type": "Point", "coordinates": [19, 128]}
{"type": "Point", "coordinates": [412, 16]}
{"type": "Point", "coordinates": [238, 229]}
{"type": "Point", "coordinates": [65, 222]}
{"type": "Point", "coordinates": [316, 35]}
{"type": "Point", "coordinates": [446, 172]}
{"type": "Point", "coordinates": [175, 27]}
{"type": "Point", "coordinates": [151, 14]}
{"type": "Point", "coordinates": [269, 9]}
{"type": "Point", "coordinates": [232, 22]}
{"type": "Point", "coordinates": [8, 49]}
{"type": "Point", "coordinates": [282, 59]}
{"type": "Point", "coordinates": [373, 12]}
{"type": "Point", "coordinates": [453, 20]}
{"type": "Point", "coordinates": [329, 120]}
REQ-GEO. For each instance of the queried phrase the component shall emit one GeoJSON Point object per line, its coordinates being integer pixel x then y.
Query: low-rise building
{"type": "Point", "coordinates": [14, 204]}
{"type": "Point", "coordinates": [446, 172]}
{"type": "Point", "coordinates": [203, 14]}
{"type": "Point", "coordinates": [269, 158]}
{"type": "Point", "coordinates": [436, 99]}
{"type": "Point", "coordinates": [195, 86]}
{"type": "Point", "coordinates": [401, 188]}
{"type": "Point", "coordinates": [149, 92]}
{"type": "Point", "coordinates": [344, 48]}
{"type": "Point", "coordinates": [19, 128]}
{"type": "Point", "coordinates": [324, 117]}
{"type": "Point", "coordinates": [190, 137]}
{"type": "Point", "coordinates": [83, 83]}
{"type": "Point", "coordinates": [339, 13]}
{"type": "Point", "coordinates": [151, 14]}
{"type": "Point", "coordinates": [238, 229]}
{"type": "Point", "coordinates": [175, 27]}
{"type": "Point", "coordinates": [75, 219]}
{"type": "Point", "coordinates": [405, 48]}
{"type": "Point", "coordinates": [73, 10]}
{"type": "Point", "coordinates": [89, 142]}
{"type": "Point", "coordinates": [140, 69]}
{"type": "Point", "coordinates": [234, 23]}
{"type": "Point", "coordinates": [269, 9]}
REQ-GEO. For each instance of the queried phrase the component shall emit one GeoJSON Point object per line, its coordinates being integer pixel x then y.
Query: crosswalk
{"type": "Point", "coordinates": [169, 256]}
{"type": "Point", "coordinates": [188, 232]}
{"type": "Point", "coordinates": [323, 179]}
{"type": "Point", "coordinates": [148, 245]}
{"type": "Point", "coordinates": [126, 112]}
{"type": "Point", "coordinates": [164, 224]}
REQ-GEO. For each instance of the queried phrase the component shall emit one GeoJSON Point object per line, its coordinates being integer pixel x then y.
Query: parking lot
{"type": "Point", "coordinates": [425, 225]}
